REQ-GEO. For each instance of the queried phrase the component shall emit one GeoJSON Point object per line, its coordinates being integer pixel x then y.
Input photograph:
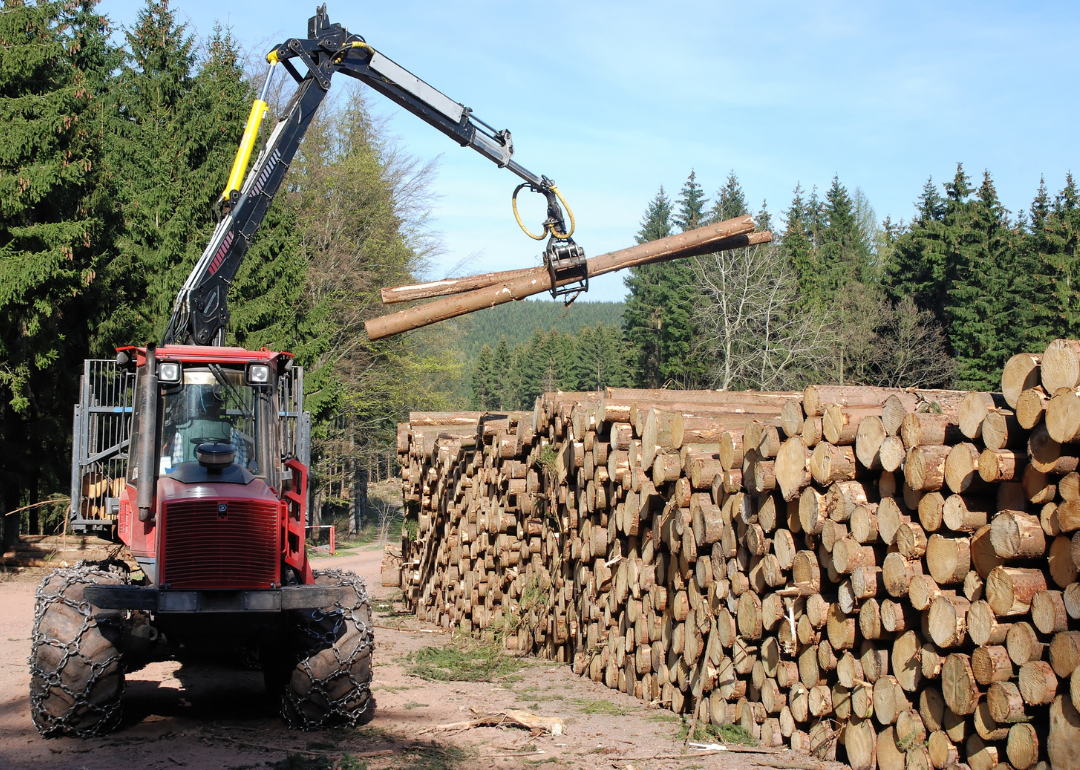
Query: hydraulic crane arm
{"type": "Point", "coordinates": [200, 313]}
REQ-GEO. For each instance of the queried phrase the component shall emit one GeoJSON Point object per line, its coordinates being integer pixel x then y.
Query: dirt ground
{"type": "Point", "coordinates": [206, 716]}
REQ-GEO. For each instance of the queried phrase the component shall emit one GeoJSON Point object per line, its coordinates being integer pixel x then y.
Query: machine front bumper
{"type": "Point", "coordinates": [176, 601]}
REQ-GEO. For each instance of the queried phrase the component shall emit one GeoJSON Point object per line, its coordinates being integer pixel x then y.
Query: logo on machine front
{"type": "Point", "coordinates": [222, 511]}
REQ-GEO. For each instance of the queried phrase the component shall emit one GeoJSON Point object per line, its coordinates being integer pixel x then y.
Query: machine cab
{"type": "Point", "coordinates": [216, 474]}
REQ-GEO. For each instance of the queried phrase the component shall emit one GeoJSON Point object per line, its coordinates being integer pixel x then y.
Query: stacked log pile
{"type": "Point", "coordinates": [884, 576]}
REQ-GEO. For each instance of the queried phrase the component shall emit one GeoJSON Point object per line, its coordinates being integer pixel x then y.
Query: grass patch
{"type": "Point", "coordinates": [604, 707]}
{"type": "Point", "coordinates": [546, 461]}
{"type": "Point", "coordinates": [386, 606]}
{"type": "Point", "coordinates": [663, 716]}
{"type": "Point", "coordinates": [536, 694]}
{"type": "Point", "coordinates": [464, 661]}
{"type": "Point", "coordinates": [414, 705]}
{"type": "Point", "coordinates": [735, 734]}
{"type": "Point", "coordinates": [392, 690]}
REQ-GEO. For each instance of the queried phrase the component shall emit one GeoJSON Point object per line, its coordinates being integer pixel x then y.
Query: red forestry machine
{"type": "Point", "coordinates": [195, 455]}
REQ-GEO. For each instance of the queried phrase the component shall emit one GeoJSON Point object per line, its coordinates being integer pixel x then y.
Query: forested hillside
{"type": "Point", "coordinates": [112, 156]}
{"type": "Point", "coordinates": [518, 320]}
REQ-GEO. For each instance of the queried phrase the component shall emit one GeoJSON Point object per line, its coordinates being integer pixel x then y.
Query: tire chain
{"type": "Point", "coordinates": [48, 725]}
{"type": "Point", "coordinates": [318, 635]}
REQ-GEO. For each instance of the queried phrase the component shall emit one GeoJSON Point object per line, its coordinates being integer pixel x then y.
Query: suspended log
{"type": "Point", "coordinates": [731, 234]}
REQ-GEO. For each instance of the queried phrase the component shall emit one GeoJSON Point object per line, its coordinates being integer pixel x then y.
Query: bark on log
{"type": "Point", "coordinates": [924, 468]}
{"type": "Point", "coordinates": [1017, 535]}
{"type": "Point", "coordinates": [1009, 590]}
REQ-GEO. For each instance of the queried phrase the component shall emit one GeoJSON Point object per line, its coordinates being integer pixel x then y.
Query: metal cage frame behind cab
{"type": "Point", "coordinates": [99, 447]}
{"type": "Point", "coordinates": [101, 434]}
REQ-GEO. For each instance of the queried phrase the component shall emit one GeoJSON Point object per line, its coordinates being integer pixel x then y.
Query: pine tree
{"type": "Point", "coordinates": [691, 203]}
{"type": "Point", "coordinates": [53, 230]}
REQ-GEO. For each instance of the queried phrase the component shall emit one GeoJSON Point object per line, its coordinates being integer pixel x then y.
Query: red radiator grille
{"type": "Point", "coordinates": [203, 547]}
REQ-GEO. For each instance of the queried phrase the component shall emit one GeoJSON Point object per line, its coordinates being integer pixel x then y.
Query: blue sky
{"type": "Point", "coordinates": [611, 100]}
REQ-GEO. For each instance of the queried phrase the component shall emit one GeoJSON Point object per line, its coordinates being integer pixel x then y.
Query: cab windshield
{"type": "Point", "coordinates": [209, 406]}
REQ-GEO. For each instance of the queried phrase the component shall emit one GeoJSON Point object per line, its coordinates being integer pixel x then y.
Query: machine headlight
{"type": "Point", "coordinates": [258, 374]}
{"type": "Point", "coordinates": [168, 372]}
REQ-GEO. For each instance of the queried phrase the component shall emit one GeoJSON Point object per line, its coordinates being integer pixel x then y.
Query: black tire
{"type": "Point", "coordinates": [76, 658]}
{"type": "Point", "coordinates": [330, 683]}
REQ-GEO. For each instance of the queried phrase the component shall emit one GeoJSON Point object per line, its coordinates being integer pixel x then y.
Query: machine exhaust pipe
{"type": "Point", "coordinates": [148, 467]}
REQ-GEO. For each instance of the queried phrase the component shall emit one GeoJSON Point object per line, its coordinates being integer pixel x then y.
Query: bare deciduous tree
{"type": "Point", "coordinates": [753, 325]}
{"type": "Point", "coordinates": [912, 350]}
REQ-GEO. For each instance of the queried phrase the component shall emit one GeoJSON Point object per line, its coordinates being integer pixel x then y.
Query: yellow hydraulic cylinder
{"type": "Point", "coordinates": [247, 143]}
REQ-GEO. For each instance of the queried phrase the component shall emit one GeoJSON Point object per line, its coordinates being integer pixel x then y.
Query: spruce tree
{"type": "Point", "coordinates": [601, 359]}
{"type": "Point", "coordinates": [53, 231]}
{"type": "Point", "coordinates": [501, 361]}
{"type": "Point", "coordinates": [844, 255]}
{"type": "Point", "coordinates": [147, 151]}
{"type": "Point", "coordinates": [1040, 207]}
{"type": "Point", "coordinates": [918, 268]}
{"type": "Point", "coordinates": [642, 318]}
{"type": "Point", "coordinates": [532, 368]}
{"type": "Point", "coordinates": [730, 201]}
{"type": "Point", "coordinates": [658, 316]}
{"type": "Point", "coordinates": [691, 203]}
{"type": "Point", "coordinates": [656, 223]}
{"type": "Point", "coordinates": [1055, 246]}
{"type": "Point", "coordinates": [482, 377]}
{"type": "Point", "coordinates": [181, 111]}
{"type": "Point", "coordinates": [987, 315]}
{"type": "Point", "coordinates": [797, 247]}
{"type": "Point", "coordinates": [763, 220]}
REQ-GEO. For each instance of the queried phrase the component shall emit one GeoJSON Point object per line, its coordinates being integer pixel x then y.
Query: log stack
{"type": "Point", "coordinates": [887, 577]}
